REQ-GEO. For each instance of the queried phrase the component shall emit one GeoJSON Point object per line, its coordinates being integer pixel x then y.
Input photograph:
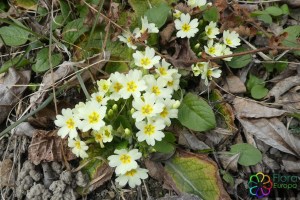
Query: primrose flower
{"type": "Point", "coordinates": [129, 38]}
{"type": "Point", "coordinates": [211, 30]}
{"type": "Point", "coordinates": [162, 69]}
{"type": "Point", "coordinates": [92, 114]}
{"type": "Point", "coordinates": [116, 85]}
{"type": "Point", "coordinates": [177, 14]}
{"type": "Point", "coordinates": [100, 98]}
{"type": "Point", "coordinates": [133, 84]}
{"type": "Point", "coordinates": [169, 111]}
{"type": "Point", "coordinates": [213, 49]}
{"type": "Point", "coordinates": [103, 85]}
{"type": "Point", "coordinates": [103, 135]}
{"type": "Point", "coordinates": [149, 27]}
{"type": "Point", "coordinates": [174, 83]}
{"type": "Point", "coordinates": [199, 67]}
{"type": "Point", "coordinates": [79, 148]}
{"type": "Point", "coordinates": [196, 3]}
{"type": "Point", "coordinates": [98, 137]}
{"type": "Point", "coordinates": [231, 39]}
{"type": "Point", "coordinates": [68, 122]}
{"type": "Point", "coordinates": [132, 177]}
{"type": "Point", "coordinates": [157, 87]}
{"type": "Point", "coordinates": [146, 107]}
{"type": "Point", "coordinates": [226, 51]}
{"type": "Point", "coordinates": [186, 27]}
{"type": "Point", "coordinates": [209, 73]}
{"type": "Point", "coordinates": [150, 131]}
{"type": "Point", "coordinates": [146, 59]}
{"type": "Point", "coordinates": [125, 160]}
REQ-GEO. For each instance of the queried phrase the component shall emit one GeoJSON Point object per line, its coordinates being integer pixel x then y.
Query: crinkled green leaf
{"type": "Point", "coordinates": [249, 155]}
{"type": "Point", "coordinates": [240, 61]}
{"type": "Point", "coordinates": [17, 61]}
{"type": "Point", "coordinates": [265, 18]}
{"type": "Point", "coordinates": [274, 11]}
{"type": "Point", "coordinates": [42, 60]}
{"type": "Point", "coordinates": [195, 174]}
{"type": "Point", "coordinates": [13, 36]}
{"type": "Point", "coordinates": [73, 30]}
{"type": "Point", "coordinates": [259, 91]}
{"type": "Point", "coordinates": [211, 14]}
{"type": "Point", "coordinates": [285, 9]}
{"type": "Point", "coordinates": [158, 14]}
{"type": "Point", "coordinates": [254, 80]}
{"type": "Point", "coordinates": [166, 145]}
{"type": "Point", "coordinates": [292, 38]}
{"type": "Point", "coordinates": [194, 113]}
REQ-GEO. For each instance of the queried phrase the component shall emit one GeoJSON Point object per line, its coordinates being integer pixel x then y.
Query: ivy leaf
{"type": "Point", "coordinates": [259, 91]}
{"type": "Point", "coordinates": [158, 14]}
{"type": "Point", "coordinates": [274, 11]}
{"type": "Point", "coordinates": [13, 36]}
{"type": "Point", "coordinates": [73, 30]}
{"type": "Point", "coordinates": [194, 113]}
{"type": "Point", "coordinates": [249, 155]}
{"type": "Point", "coordinates": [195, 174]}
{"type": "Point", "coordinates": [211, 14]}
{"type": "Point", "coordinates": [240, 61]}
{"type": "Point", "coordinates": [42, 60]}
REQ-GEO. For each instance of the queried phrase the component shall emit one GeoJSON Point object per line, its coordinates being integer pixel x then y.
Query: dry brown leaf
{"type": "Point", "coordinates": [234, 85]}
{"type": "Point", "coordinates": [191, 141]}
{"type": "Point", "coordinates": [291, 100]}
{"type": "Point", "coordinates": [283, 86]}
{"type": "Point", "coordinates": [10, 94]}
{"type": "Point", "coordinates": [244, 31]}
{"type": "Point", "coordinates": [291, 164]}
{"type": "Point", "coordinates": [248, 109]}
{"type": "Point", "coordinates": [48, 146]}
{"type": "Point", "coordinates": [23, 129]}
{"type": "Point", "coordinates": [103, 174]}
{"type": "Point", "coordinates": [156, 169]}
{"type": "Point", "coordinates": [221, 5]}
{"type": "Point", "coordinates": [166, 33]}
{"type": "Point", "coordinates": [229, 161]}
{"type": "Point", "coordinates": [6, 177]}
{"type": "Point", "coordinates": [274, 133]}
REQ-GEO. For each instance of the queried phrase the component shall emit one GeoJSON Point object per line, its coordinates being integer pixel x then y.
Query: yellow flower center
{"type": "Point", "coordinates": [145, 61]}
{"type": "Point", "coordinates": [156, 90]}
{"type": "Point", "coordinates": [77, 144]}
{"type": "Point", "coordinates": [131, 86]}
{"type": "Point", "coordinates": [99, 99]}
{"type": "Point", "coordinates": [131, 172]}
{"type": "Point", "coordinates": [162, 71]}
{"type": "Point", "coordinates": [164, 113]}
{"type": "Point", "coordinates": [209, 73]}
{"type": "Point", "coordinates": [118, 86]}
{"type": "Point", "coordinates": [94, 117]}
{"type": "Point", "coordinates": [125, 159]}
{"type": "Point", "coordinates": [147, 109]}
{"type": "Point", "coordinates": [129, 40]}
{"type": "Point", "coordinates": [228, 41]}
{"type": "Point", "coordinates": [98, 137]}
{"type": "Point", "coordinates": [212, 50]}
{"type": "Point", "coordinates": [70, 123]}
{"type": "Point", "coordinates": [105, 87]}
{"type": "Point", "coordinates": [170, 83]}
{"type": "Point", "coordinates": [186, 27]}
{"type": "Point", "coordinates": [106, 133]}
{"type": "Point", "coordinates": [149, 129]}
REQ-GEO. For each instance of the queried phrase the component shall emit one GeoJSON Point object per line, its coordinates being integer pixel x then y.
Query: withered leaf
{"type": "Point", "coordinates": [234, 85]}
{"type": "Point", "coordinates": [10, 93]}
{"type": "Point", "coordinates": [6, 177]}
{"type": "Point", "coordinates": [48, 146]}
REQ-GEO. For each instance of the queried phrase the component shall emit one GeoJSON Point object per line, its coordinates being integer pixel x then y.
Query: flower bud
{"type": "Point", "coordinates": [132, 110]}
{"type": "Point", "coordinates": [197, 46]}
{"type": "Point", "coordinates": [115, 107]}
{"type": "Point", "coordinates": [127, 132]}
{"type": "Point", "coordinates": [176, 105]}
{"type": "Point", "coordinates": [110, 113]}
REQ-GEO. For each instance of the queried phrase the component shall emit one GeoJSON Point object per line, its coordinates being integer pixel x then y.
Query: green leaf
{"type": "Point", "coordinates": [211, 14]}
{"type": "Point", "coordinates": [274, 11]}
{"type": "Point", "coordinates": [279, 66]}
{"type": "Point", "coordinates": [194, 113]}
{"type": "Point", "coordinates": [65, 9]}
{"type": "Point", "coordinates": [258, 12]}
{"type": "Point", "coordinates": [17, 62]}
{"type": "Point", "coordinates": [158, 14]}
{"type": "Point", "coordinates": [259, 91]}
{"type": "Point", "coordinates": [112, 67]}
{"type": "Point", "coordinates": [13, 36]}
{"type": "Point", "coordinates": [27, 4]}
{"type": "Point", "coordinates": [285, 9]}
{"type": "Point", "coordinates": [249, 155]}
{"type": "Point", "coordinates": [166, 145]}
{"type": "Point", "coordinates": [240, 61]}
{"type": "Point", "coordinates": [228, 178]}
{"type": "Point", "coordinates": [292, 38]}
{"type": "Point", "coordinates": [254, 80]}
{"type": "Point", "coordinates": [195, 174]}
{"type": "Point", "coordinates": [42, 60]}
{"type": "Point", "coordinates": [73, 30]}
{"type": "Point", "coordinates": [265, 18]}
